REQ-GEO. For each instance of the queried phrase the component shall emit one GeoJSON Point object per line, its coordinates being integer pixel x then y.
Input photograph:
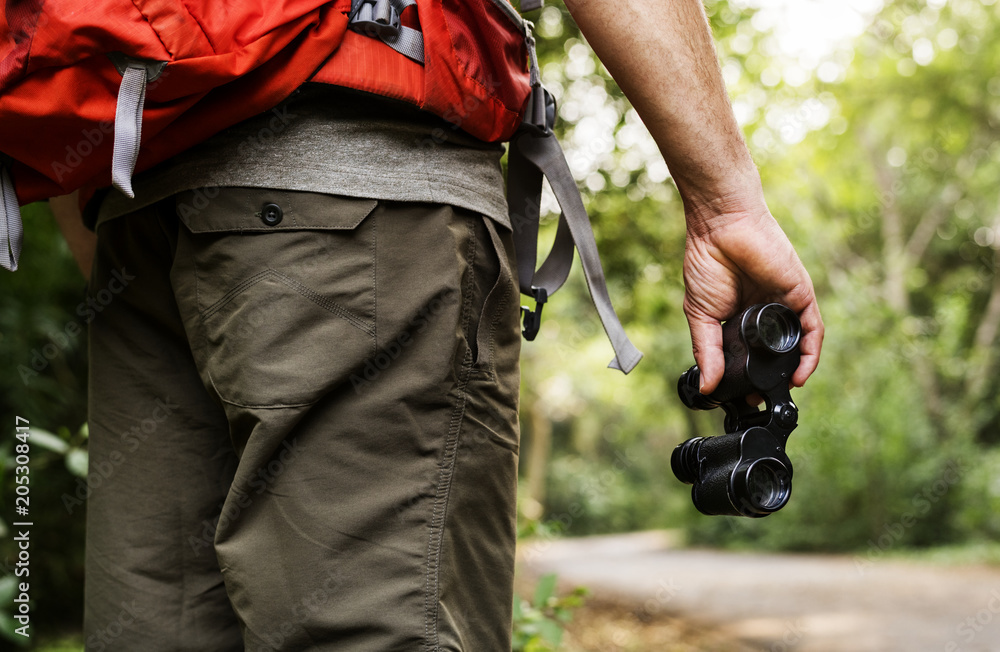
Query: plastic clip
{"type": "Point", "coordinates": [533, 318]}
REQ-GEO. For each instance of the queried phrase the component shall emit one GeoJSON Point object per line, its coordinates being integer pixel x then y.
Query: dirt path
{"type": "Point", "coordinates": [780, 602]}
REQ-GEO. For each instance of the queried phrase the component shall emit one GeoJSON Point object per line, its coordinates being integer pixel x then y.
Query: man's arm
{"type": "Point", "coordinates": [82, 242]}
{"type": "Point", "coordinates": [661, 54]}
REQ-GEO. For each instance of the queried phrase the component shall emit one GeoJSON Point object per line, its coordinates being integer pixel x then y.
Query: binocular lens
{"type": "Point", "coordinates": [775, 330]}
{"type": "Point", "coordinates": [767, 485]}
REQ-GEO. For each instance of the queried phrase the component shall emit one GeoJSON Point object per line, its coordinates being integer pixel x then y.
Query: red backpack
{"type": "Point", "coordinates": [91, 92]}
{"type": "Point", "coordinates": [73, 71]}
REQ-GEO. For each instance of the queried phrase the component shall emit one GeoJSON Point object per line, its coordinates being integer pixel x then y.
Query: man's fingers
{"type": "Point", "coordinates": [706, 341]}
{"type": "Point", "coordinates": [811, 345]}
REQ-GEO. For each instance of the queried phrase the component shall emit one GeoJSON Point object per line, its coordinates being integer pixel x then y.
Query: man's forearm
{"type": "Point", "coordinates": [662, 55]}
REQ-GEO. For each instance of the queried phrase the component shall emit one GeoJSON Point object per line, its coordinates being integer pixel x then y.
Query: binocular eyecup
{"type": "Point", "coordinates": [745, 472]}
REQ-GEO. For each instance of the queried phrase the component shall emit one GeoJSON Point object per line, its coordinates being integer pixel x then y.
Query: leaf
{"type": "Point", "coordinates": [7, 627]}
{"type": "Point", "coordinates": [77, 461]}
{"type": "Point", "coordinates": [538, 645]}
{"type": "Point", "coordinates": [8, 588]}
{"type": "Point", "coordinates": [544, 590]}
{"type": "Point", "coordinates": [49, 441]}
{"type": "Point", "coordinates": [551, 632]}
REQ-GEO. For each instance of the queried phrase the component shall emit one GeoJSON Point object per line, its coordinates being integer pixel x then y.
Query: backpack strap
{"type": "Point", "coordinates": [11, 229]}
{"type": "Point", "coordinates": [128, 134]}
{"type": "Point", "coordinates": [534, 152]}
{"type": "Point", "coordinates": [128, 116]}
{"type": "Point", "coordinates": [380, 19]}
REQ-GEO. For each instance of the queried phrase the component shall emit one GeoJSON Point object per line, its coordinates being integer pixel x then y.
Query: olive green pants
{"type": "Point", "coordinates": [306, 428]}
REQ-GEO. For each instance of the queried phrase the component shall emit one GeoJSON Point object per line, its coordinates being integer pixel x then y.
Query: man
{"type": "Point", "coordinates": [307, 384]}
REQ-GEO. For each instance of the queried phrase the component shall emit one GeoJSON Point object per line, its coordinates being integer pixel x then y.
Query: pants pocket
{"type": "Point", "coordinates": [279, 290]}
{"type": "Point", "coordinates": [497, 287]}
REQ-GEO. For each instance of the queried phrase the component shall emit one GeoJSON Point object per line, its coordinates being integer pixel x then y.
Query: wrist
{"type": "Point", "coordinates": [708, 210]}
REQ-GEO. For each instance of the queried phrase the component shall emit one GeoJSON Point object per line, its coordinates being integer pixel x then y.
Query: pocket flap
{"type": "Point", "coordinates": [208, 210]}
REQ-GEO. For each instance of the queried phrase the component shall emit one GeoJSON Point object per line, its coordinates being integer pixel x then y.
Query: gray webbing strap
{"type": "Point", "coordinates": [531, 5]}
{"type": "Point", "coordinates": [128, 126]}
{"type": "Point", "coordinates": [380, 19]}
{"type": "Point", "coordinates": [524, 189]}
{"type": "Point", "coordinates": [532, 154]}
{"type": "Point", "coordinates": [11, 229]}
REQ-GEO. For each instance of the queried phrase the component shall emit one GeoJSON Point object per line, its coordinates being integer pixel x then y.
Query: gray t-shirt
{"type": "Point", "coordinates": [336, 141]}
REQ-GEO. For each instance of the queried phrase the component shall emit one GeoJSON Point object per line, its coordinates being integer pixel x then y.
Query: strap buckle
{"type": "Point", "coordinates": [380, 19]}
{"type": "Point", "coordinates": [540, 113]}
{"type": "Point", "coordinates": [533, 318]}
{"type": "Point", "coordinates": [375, 18]}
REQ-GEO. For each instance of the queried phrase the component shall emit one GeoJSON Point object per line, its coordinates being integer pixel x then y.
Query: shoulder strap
{"type": "Point", "coordinates": [535, 153]}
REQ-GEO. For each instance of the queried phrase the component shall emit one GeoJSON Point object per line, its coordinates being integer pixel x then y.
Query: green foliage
{"type": "Point", "coordinates": [883, 176]}
{"type": "Point", "coordinates": [44, 381]}
{"type": "Point", "coordinates": [884, 179]}
{"type": "Point", "coordinates": [540, 622]}
{"type": "Point", "coordinates": [42, 339]}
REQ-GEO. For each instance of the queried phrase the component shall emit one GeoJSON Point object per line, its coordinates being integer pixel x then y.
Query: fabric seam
{"type": "Point", "coordinates": [201, 27]}
{"type": "Point", "coordinates": [439, 513]}
{"type": "Point", "coordinates": [297, 287]}
{"type": "Point", "coordinates": [153, 29]}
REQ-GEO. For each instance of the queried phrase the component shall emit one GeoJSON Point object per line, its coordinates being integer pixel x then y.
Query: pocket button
{"type": "Point", "coordinates": [271, 214]}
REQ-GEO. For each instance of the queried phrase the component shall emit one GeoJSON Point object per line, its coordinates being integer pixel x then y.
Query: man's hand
{"type": "Point", "coordinates": [735, 260]}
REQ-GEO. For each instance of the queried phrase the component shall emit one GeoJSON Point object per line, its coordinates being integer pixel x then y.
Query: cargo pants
{"type": "Point", "coordinates": [307, 407]}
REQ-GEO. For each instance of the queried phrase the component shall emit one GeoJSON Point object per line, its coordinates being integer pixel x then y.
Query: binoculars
{"type": "Point", "coordinates": [745, 472]}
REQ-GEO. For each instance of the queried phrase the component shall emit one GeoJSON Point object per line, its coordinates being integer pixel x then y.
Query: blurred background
{"type": "Point", "coordinates": [874, 126]}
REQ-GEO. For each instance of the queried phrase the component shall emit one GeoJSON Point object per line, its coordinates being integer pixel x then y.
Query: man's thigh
{"type": "Point", "coordinates": [365, 356]}
{"type": "Point", "coordinates": [161, 462]}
